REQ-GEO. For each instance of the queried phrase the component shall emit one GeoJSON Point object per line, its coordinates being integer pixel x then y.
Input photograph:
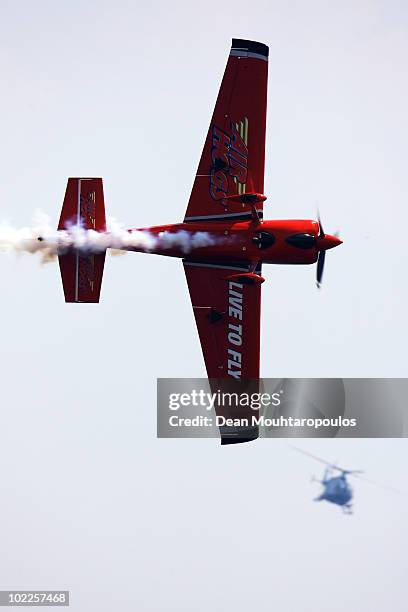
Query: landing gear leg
{"type": "Point", "coordinates": [253, 266]}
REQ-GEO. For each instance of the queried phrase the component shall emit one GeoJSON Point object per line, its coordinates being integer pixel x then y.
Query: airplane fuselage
{"type": "Point", "coordinates": [271, 242]}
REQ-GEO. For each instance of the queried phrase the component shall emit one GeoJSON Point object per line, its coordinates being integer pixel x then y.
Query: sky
{"type": "Point", "coordinates": [91, 501]}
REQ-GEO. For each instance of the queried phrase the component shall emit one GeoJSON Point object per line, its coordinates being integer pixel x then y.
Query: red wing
{"type": "Point", "coordinates": [228, 319]}
{"type": "Point", "coordinates": [233, 157]}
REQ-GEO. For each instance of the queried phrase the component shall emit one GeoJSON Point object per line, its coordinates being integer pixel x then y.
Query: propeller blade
{"type": "Point", "coordinates": [320, 268]}
{"type": "Point", "coordinates": [321, 230]}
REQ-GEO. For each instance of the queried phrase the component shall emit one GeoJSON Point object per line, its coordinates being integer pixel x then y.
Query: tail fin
{"type": "Point", "coordinates": [82, 273]}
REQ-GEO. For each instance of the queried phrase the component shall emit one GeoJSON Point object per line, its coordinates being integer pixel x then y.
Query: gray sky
{"type": "Point", "coordinates": [91, 500]}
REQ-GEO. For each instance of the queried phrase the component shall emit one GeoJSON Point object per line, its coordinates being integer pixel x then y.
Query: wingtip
{"type": "Point", "coordinates": [251, 46]}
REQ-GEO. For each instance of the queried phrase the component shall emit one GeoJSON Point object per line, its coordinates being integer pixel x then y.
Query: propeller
{"type": "Point", "coordinates": [321, 257]}
{"type": "Point", "coordinates": [324, 242]}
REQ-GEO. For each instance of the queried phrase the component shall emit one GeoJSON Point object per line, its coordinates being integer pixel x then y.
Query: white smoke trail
{"type": "Point", "coordinates": [42, 238]}
{"type": "Point", "coordinates": [186, 241]}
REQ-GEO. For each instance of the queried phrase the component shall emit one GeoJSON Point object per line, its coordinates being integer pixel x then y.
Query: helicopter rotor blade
{"type": "Point", "coordinates": [332, 466]}
{"type": "Point", "coordinates": [300, 450]}
{"type": "Point", "coordinates": [353, 472]}
{"type": "Point", "coordinates": [378, 484]}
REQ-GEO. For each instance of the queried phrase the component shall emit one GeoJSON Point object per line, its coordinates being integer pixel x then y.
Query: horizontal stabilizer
{"type": "Point", "coordinates": [82, 272]}
{"type": "Point", "coordinates": [82, 276]}
{"type": "Point", "coordinates": [83, 204]}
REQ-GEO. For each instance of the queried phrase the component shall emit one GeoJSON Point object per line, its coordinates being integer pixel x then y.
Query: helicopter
{"type": "Point", "coordinates": [336, 488]}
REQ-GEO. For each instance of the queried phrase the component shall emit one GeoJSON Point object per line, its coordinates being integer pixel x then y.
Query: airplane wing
{"type": "Point", "coordinates": [233, 158]}
{"type": "Point", "coordinates": [227, 315]}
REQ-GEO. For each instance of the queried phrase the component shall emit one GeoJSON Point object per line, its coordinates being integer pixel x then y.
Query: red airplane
{"type": "Point", "coordinates": [226, 203]}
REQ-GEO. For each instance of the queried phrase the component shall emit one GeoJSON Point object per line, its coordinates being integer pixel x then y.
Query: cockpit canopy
{"type": "Point", "coordinates": [264, 240]}
{"type": "Point", "coordinates": [302, 241]}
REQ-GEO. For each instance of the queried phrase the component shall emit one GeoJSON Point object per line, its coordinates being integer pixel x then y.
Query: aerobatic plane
{"type": "Point", "coordinates": [229, 240]}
